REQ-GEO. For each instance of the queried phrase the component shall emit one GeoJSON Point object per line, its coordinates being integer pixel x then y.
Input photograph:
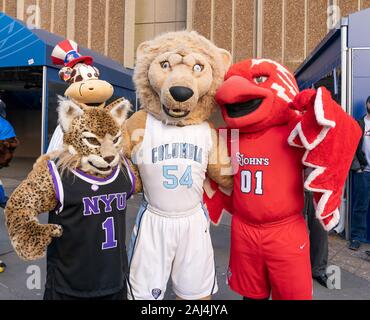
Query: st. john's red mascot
{"type": "Point", "coordinates": [281, 131]}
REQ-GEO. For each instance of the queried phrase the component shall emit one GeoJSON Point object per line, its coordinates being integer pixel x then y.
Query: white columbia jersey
{"type": "Point", "coordinates": [173, 162]}
{"type": "Point", "coordinates": [56, 142]}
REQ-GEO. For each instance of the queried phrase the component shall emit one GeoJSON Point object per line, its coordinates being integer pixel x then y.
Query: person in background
{"type": "Point", "coordinates": [8, 144]}
{"type": "Point", "coordinates": [361, 181]}
{"type": "Point", "coordinates": [319, 250]}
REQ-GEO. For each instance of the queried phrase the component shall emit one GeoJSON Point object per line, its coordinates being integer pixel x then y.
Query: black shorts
{"type": "Point", "coordinates": [52, 294]}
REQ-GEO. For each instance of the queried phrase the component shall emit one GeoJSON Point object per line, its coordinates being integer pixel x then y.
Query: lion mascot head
{"type": "Point", "coordinates": [177, 75]}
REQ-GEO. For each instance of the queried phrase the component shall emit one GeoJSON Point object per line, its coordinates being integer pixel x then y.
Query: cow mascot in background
{"type": "Point", "coordinates": [281, 131]}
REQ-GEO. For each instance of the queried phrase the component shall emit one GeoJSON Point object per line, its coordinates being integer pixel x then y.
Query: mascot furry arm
{"type": "Point", "coordinates": [38, 194]}
{"type": "Point", "coordinates": [260, 94]}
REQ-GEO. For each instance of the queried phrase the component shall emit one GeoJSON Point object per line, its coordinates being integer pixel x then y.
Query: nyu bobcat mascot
{"type": "Point", "coordinates": [85, 188]}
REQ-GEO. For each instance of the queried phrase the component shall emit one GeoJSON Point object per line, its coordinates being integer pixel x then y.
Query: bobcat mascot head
{"type": "Point", "coordinates": [92, 136]}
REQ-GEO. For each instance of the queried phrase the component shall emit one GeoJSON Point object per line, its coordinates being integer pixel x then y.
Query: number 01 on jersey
{"type": "Point", "coordinates": [246, 179]}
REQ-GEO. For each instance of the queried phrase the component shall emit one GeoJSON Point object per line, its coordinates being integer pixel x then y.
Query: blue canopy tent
{"type": "Point", "coordinates": [342, 60]}
{"type": "Point", "coordinates": [325, 57]}
{"type": "Point", "coordinates": [21, 47]}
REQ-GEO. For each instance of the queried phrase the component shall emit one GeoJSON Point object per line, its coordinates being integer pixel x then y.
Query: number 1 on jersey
{"type": "Point", "coordinates": [110, 241]}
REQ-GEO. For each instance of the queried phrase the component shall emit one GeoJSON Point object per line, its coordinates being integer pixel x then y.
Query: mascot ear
{"type": "Point", "coordinates": [146, 47]}
{"type": "Point", "coordinates": [226, 58]}
{"type": "Point", "coordinates": [119, 110]}
{"type": "Point", "coordinates": [66, 74]}
{"type": "Point", "coordinates": [68, 110]}
{"type": "Point", "coordinates": [141, 48]}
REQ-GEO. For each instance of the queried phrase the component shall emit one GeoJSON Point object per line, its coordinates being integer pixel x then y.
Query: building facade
{"type": "Point", "coordinates": [283, 30]}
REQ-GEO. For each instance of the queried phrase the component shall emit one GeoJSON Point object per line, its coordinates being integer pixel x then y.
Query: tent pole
{"type": "Point", "coordinates": [344, 71]}
{"type": "Point", "coordinates": [347, 105]}
{"type": "Point", "coordinates": [44, 117]}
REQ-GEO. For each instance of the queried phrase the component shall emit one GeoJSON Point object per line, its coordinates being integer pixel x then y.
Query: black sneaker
{"type": "Point", "coordinates": [354, 245]}
{"type": "Point", "coordinates": [368, 253]}
{"type": "Point", "coordinates": [322, 279]}
{"type": "Point", "coordinates": [342, 235]}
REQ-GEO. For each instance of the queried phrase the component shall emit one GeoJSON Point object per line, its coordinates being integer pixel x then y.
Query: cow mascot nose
{"type": "Point", "coordinates": [181, 94]}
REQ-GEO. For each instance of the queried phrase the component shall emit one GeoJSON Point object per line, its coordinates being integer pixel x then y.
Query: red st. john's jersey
{"type": "Point", "coordinates": [268, 186]}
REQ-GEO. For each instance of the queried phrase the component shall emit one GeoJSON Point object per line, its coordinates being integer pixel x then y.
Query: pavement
{"type": "Point", "coordinates": [18, 280]}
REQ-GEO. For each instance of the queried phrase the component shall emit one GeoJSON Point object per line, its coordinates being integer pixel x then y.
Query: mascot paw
{"type": "Point", "coordinates": [31, 244]}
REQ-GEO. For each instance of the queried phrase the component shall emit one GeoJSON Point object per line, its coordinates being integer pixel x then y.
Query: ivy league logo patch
{"type": "Point", "coordinates": [156, 293]}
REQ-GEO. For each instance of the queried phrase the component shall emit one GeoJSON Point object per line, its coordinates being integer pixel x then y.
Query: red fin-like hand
{"type": "Point", "coordinates": [217, 201]}
{"type": "Point", "coordinates": [330, 137]}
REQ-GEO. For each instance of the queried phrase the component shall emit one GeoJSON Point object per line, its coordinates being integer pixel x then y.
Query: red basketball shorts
{"type": "Point", "coordinates": [271, 260]}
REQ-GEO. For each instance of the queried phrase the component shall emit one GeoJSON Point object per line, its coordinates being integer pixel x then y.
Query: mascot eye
{"type": "Point", "coordinates": [260, 79]}
{"type": "Point", "coordinates": [165, 65]}
{"type": "Point", "coordinates": [198, 68]}
{"type": "Point", "coordinates": [93, 141]}
{"type": "Point", "coordinates": [115, 141]}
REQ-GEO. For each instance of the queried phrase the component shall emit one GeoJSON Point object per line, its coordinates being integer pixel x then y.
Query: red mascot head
{"type": "Point", "coordinates": [256, 95]}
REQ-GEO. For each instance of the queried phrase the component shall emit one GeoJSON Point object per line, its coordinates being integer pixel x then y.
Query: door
{"type": "Point", "coordinates": [360, 91]}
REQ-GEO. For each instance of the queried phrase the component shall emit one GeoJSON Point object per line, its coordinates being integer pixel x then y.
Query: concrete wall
{"type": "Point", "coordinates": [110, 27]}
{"type": "Point", "coordinates": [284, 30]}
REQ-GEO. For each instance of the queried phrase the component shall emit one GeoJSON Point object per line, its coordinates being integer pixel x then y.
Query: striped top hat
{"type": "Point", "coordinates": [66, 53]}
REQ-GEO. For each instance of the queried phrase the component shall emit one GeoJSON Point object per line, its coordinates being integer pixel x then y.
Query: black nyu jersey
{"type": "Point", "coordinates": [89, 260]}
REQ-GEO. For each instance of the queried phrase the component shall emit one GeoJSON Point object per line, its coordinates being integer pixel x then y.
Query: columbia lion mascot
{"type": "Point", "coordinates": [84, 187]}
{"type": "Point", "coordinates": [281, 131]}
{"type": "Point", "coordinates": [174, 146]}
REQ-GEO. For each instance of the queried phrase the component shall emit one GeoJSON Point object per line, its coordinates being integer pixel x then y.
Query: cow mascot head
{"type": "Point", "coordinates": [78, 71]}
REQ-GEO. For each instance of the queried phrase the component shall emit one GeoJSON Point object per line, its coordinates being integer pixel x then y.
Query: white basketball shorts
{"type": "Point", "coordinates": [175, 245]}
